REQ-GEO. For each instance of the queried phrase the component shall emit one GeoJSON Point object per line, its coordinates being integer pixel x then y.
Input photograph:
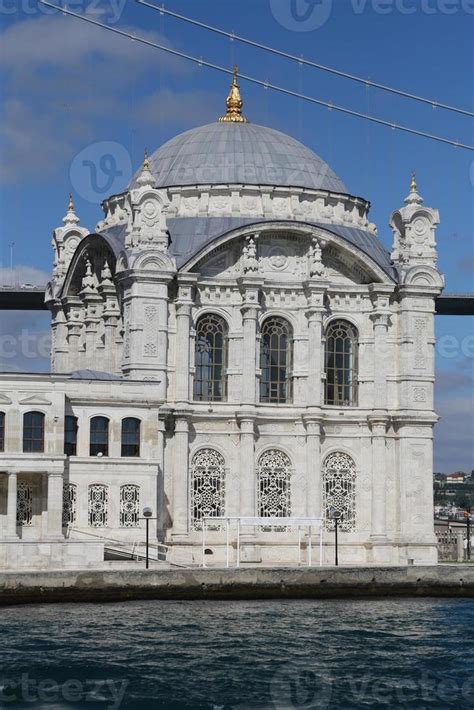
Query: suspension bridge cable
{"type": "Point", "coordinates": [267, 85]}
{"type": "Point", "coordinates": [306, 62]}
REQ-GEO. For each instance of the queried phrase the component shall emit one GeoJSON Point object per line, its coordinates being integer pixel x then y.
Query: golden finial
{"type": "Point", "coordinates": [234, 102]}
{"type": "Point", "coordinates": [146, 164]}
{"type": "Point", "coordinates": [413, 186]}
{"type": "Point", "coordinates": [70, 207]}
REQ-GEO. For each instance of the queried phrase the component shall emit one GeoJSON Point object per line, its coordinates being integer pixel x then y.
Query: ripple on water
{"type": "Point", "coordinates": [282, 654]}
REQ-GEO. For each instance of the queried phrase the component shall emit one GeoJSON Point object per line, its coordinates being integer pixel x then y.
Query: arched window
{"type": "Point", "coordinates": [33, 432]}
{"type": "Point", "coordinates": [276, 347]}
{"type": "Point", "coordinates": [210, 359]}
{"type": "Point", "coordinates": [69, 504]}
{"type": "Point", "coordinates": [130, 437]}
{"type": "Point", "coordinates": [339, 477]}
{"type": "Point", "coordinates": [207, 486]}
{"type": "Point", "coordinates": [98, 505]}
{"type": "Point", "coordinates": [24, 504]}
{"type": "Point", "coordinates": [341, 364]}
{"type": "Point", "coordinates": [273, 481]}
{"type": "Point", "coordinates": [99, 437]}
{"type": "Point", "coordinates": [2, 431]}
{"type": "Point", "coordinates": [129, 506]}
{"type": "Point", "coordinates": [70, 435]}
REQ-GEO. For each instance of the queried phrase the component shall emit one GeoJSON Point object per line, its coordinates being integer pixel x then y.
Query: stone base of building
{"type": "Point", "coordinates": [54, 554]}
{"type": "Point", "coordinates": [288, 555]}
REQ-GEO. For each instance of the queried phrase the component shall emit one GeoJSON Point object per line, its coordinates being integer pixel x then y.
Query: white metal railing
{"type": "Point", "coordinates": [312, 525]}
{"type": "Point", "coordinates": [157, 551]}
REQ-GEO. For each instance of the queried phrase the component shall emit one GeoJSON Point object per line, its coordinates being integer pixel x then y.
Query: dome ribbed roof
{"type": "Point", "coordinates": [240, 153]}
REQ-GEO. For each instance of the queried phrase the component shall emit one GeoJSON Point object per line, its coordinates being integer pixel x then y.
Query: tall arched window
{"type": "Point", "coordinates": [207, 486]}
{"type": "Point", "coordinates": [130, 437]}
{"type": "Point", "coordinates": [99, 437]}
{"type": "Point", "coordinates": [2, 431]}
{"type": "Point", "coordinates": [339, 478]}
{"type": "Point", "coordinates": [129, 506]}
{"type": "Point", "coordinates": [273, 481]}
{"type": "Point", "coordinates": [98, 505]}
{"type": "Point", "coordinates": [276, 347]}
{"type": "Point", "coordinates": [341, 364]}
{"type": "Point", "coordinates": [33, 432]}
{"type": "Point", "coordinates": [210, 359]}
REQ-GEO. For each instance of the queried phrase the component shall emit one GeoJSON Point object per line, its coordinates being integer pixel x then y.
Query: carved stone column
{"type": "Point", "coordinates": [378, 425]}
{"type": "Point", "coordinates": [11, 533]}
{"type": "Point", "coordinates": [249, 286]}
{"type": "Point", "coordinates": [248, 481]}
{"type": "Point", "coordinates": [315, 294]}
{"type": "Point", "coordinates": [184, 303]}
{"type": "Point", "coordinates": [55, 504]}
{"type": "Point", "coordinates": [313, 466]}
{"type": "Point", "coordinates": [75, 324]}
{"type": "Point", "coordinates": [180, 505]}
{"type": "Point", "coordinates": [145, 309]}
{"type": "Point", "coordinates": [381, 319]}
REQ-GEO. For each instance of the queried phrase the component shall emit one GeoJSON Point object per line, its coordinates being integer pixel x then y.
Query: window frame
{"type": "Point", "coordinates": [73, 444]}
{"type": "Point", "coordinates": [341, 367]}
{"type": "Point", "coordinates": [137, 444]}
{"type": "Point", "coordinates": [2, 431]}
{"type": "Point", "coordinates": [98, 451]}
{"type": "Point", "coordinates": [279, 390]}
{"type": "Point", "coordinates": [216, 386]}
{"type": "Point", "coordinates": [29, 440]}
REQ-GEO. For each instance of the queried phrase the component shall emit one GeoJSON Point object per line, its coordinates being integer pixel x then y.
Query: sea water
{"type": "Point", "coordinates": [393, 653]}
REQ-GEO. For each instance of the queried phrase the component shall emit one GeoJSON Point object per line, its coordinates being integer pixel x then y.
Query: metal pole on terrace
{"type": "Point", "coordinates": [147, 513]}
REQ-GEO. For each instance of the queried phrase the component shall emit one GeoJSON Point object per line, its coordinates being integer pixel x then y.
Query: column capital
{"type": "Point", "coordinates": [378, 423]}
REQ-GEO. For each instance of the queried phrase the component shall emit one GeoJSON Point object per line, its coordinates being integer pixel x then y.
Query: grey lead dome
{"type": "Point", "coordinates": [240, 153]}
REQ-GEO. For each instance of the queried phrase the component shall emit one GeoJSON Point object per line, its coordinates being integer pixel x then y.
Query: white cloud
{"type": "Point", "coordinates": [23, 274]}
{"type": "Point", "coordinates": [68, 84]}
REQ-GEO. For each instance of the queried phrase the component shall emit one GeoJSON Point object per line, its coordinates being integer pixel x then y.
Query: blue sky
{"type": "Point", "coordinates": [69, 87]}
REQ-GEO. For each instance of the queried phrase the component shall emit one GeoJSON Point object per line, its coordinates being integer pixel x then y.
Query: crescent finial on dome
{"type": "Point", "coordinates": [234, 102]}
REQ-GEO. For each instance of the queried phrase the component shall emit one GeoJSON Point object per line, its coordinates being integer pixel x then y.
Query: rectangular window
{"type": "Point", "coordinates": [2, 431]}
{"type": "Point", "coordinates": [33, 432]}
{"type": "Point", "coordinates": [70, 435]}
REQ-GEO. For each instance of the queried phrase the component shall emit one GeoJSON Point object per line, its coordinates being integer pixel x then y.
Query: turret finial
{"type": "Point", "coordinates": [70, 207]}
{"type": "Point", "coordinates": [413, 185]}
{"type": "Point", "coordinates": [146, 163]}
{"type": "Point", "coordinates": [234, 102]}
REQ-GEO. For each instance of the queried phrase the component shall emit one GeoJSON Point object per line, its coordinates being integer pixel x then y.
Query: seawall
{"type": "Point", "coordinates": [244, 583]}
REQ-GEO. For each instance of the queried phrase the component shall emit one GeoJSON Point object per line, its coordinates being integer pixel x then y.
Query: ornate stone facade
{"type": "Point", "coordinates": [276, 360]}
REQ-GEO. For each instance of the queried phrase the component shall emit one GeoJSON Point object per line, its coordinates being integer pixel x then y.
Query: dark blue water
{"type": "Point", "coordinates": [206, 655]}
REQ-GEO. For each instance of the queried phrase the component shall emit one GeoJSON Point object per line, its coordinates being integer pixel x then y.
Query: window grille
{"type": "Point", "coordinates": [339, 479]}
{"type": "Point", "coordinates": [273, 481]}
{"type": "Point", "coordinates": [129, 506]}
{"type": "Point", "coordinates": [207, 486]}
{"type": "Point", "coordinates": [24, 504]}
{"type": "Point", "coordinates": [98, 506]}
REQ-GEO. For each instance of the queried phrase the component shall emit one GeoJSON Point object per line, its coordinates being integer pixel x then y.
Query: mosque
{"type": "Point", "coordinates": [232, 340]}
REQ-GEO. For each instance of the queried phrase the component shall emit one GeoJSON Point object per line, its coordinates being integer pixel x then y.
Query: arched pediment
{"type": "Point", "coordinates": [422, 275]}
{"type": "Point", "coordinates": [98, 251]}
{"type": "Point", "coordinates": [283, 253]}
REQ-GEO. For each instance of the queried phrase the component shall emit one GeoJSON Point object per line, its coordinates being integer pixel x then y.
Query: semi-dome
{"type": "Point", "coordinates": [234, 151]}
{"type": "Point", "coordinates": [240, 153]}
